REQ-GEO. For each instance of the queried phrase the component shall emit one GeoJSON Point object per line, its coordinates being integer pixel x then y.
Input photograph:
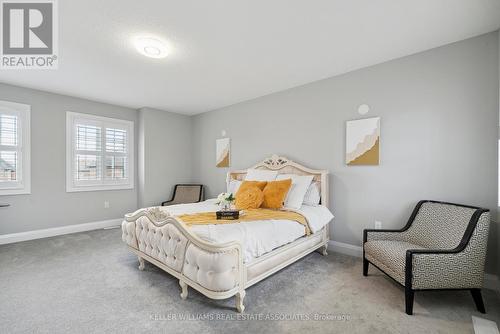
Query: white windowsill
{"type": "Point", "coordinates": [72, 189]}
{"type": "Point", "coordinates": [7, 192]}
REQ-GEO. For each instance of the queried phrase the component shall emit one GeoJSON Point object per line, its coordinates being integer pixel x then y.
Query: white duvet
{"type": "Point", "coordinates": [256, 237]}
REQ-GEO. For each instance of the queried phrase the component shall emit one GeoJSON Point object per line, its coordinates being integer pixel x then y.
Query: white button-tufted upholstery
{"type": "Point", "coordinates": [214, 271]}
{"type": "Point", "coordinates": [166, 243]}
{"type": "Point", "coordinates": [128, 233]}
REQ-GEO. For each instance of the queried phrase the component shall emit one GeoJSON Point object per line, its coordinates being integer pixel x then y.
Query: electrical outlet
{"type": "Point", "coordinates": [378, 225]}
{"type": "Point", "coordinates": [106, 204]}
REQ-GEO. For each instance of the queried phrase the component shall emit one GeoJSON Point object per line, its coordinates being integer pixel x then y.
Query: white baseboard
{"type": "Point", "coordinates": [346, 249]}
{"type": "Point", "coordinates": [52, 232]}
{"type": "Point", "coordinates": [490, 281]}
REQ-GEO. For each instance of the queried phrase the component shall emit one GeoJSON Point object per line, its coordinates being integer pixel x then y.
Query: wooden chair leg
{"type": "Point", "coordinates": [409, 297]}
{"type": "Point", "coordinates": [478, 299]}
{"type": "Point", "coordinates": [365, 267]}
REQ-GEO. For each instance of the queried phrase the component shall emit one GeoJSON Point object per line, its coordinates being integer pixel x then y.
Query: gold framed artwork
{"type": "Point", "coordinates": [362, 145]}
{"type": "Point", "coordinates": [222, 152]}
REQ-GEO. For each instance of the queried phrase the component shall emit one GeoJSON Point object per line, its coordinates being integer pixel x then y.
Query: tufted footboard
{"type": "Point", "coordinates": [164, 243]}
{"type": "Point", "coordinates": [215, 270]}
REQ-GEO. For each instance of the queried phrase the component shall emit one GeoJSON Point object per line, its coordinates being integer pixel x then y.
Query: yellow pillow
{"type": "Point", "coordinates": [248, 184]}
{"type": "Point", "coordinates": [249, 198]}
{"type": "Point", "coordinates": [275, 193]}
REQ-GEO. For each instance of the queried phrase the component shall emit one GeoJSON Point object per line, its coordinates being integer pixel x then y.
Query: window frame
{"type": "Point", "coordinates": [23, 168]}
{"type": "Point", "coordinates": [73, 185]}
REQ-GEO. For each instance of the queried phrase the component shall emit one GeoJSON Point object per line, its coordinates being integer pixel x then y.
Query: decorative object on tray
{"type": "Point", "coordinates": [225, 201]}
{"type": "Point", "coordinates": [362, 145]}
{"type": "Point", "coordinates": [228, 214]}
{"type": "Point", "coordinates": [222, 152]}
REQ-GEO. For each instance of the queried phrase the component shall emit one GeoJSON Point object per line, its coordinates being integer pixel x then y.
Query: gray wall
{"type": "Point", "coordinates": [165, 154]}
{"type": "Point", "coordinates": [163, 158]}
{"type": "Point", "coordinates": [440, 119]}
{"type": "Point", "coordinates": [49, 205]}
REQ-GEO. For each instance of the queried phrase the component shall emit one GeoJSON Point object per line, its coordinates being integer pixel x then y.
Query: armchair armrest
{"type": "Point", "coordinates": [443, 269]}
{"type": "Point", "coordinates": [391, 234]}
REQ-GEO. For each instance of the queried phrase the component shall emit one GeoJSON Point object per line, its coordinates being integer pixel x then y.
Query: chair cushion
{"type": "Point", "coordinates": [390, 256]}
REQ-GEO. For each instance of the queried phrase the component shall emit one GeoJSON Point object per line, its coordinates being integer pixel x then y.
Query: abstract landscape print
{"type": "Point", "coordinates": [363, 141]}
{"type": "Point", "coordinates": [222, 152]}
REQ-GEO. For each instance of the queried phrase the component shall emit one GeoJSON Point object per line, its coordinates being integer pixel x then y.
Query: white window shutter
{"type": "Point", "coordinates": [100, 153]}
{"type": "Point", "coordinates": [14, 148]}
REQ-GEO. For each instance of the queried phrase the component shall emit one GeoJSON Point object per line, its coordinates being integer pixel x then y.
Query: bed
{"type": "Point", "coordinates": [221, 261]}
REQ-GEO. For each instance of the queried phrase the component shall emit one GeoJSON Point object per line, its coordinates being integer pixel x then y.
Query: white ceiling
{"type": "Point", "coordinates": [227, 51]}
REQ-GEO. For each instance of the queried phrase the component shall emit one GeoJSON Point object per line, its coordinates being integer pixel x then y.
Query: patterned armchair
{"type": "Point", "coordinates": [443, 246]}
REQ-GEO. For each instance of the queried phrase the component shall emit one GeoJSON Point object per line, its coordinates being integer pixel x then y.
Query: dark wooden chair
{"type": "Point", "coordinates": [186, 193]}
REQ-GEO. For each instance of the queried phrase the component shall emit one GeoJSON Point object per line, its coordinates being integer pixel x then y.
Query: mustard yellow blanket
{"type": "Point", "coordinates": [209, 218]}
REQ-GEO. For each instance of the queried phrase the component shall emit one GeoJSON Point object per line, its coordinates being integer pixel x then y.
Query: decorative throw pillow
{"type": "Point", "coordinates": [249, 184]}
{"type": "Point", "coordinates": [300, 185]}
{"type": "Point", "coordinates": [260, 175]}
{"type": "Point", "coordinates": [233, 186]}
{"type": "Point", "coordinates": [312, 196]}
{"type": "Point", "coordinates": [250, 198]}
{"type": "Point", "coordinates": [275, 193]}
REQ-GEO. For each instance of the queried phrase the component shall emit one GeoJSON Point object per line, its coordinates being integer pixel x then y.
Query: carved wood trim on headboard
{"type": "Point", "coordinates": [286, 166]}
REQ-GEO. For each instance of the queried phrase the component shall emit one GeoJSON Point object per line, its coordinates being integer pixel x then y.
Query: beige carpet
{"type": "Point", "coordinates": [89, 283]}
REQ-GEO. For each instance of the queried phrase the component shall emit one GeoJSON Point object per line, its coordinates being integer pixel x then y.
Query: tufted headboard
{"type": "Point", "coordinates": [286, 166]}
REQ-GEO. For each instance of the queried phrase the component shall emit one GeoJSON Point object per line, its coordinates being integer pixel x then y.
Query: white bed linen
{"type": "Point", "coordinates": [256, 237]}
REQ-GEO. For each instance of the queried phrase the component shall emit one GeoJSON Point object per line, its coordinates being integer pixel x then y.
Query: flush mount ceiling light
{"type": "Point", "coordinates": [151, 47]}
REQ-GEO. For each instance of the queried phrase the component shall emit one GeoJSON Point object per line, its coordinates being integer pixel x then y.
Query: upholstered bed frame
{"type": "Point", "coordinates": [217, 270]}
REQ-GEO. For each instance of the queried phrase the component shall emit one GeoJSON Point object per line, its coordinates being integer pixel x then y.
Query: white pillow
{"type": "Point", "coordinates": [300, 184]}
{"type": "Point", "coordinates": [233, 186]}
{"type": "Point", "coordinates": [312, 196]}
{"type": "Point", "coordinates": [260, 175]}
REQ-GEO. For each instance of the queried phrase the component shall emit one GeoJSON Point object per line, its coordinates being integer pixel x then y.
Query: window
{"type": "Point", "coordinates": [14, 148]}
{"type": "Point", "coordinates": [100, 153]}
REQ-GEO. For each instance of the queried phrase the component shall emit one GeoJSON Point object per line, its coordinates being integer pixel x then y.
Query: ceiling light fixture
{"type": "Point", "coordinates": [151, 47]}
